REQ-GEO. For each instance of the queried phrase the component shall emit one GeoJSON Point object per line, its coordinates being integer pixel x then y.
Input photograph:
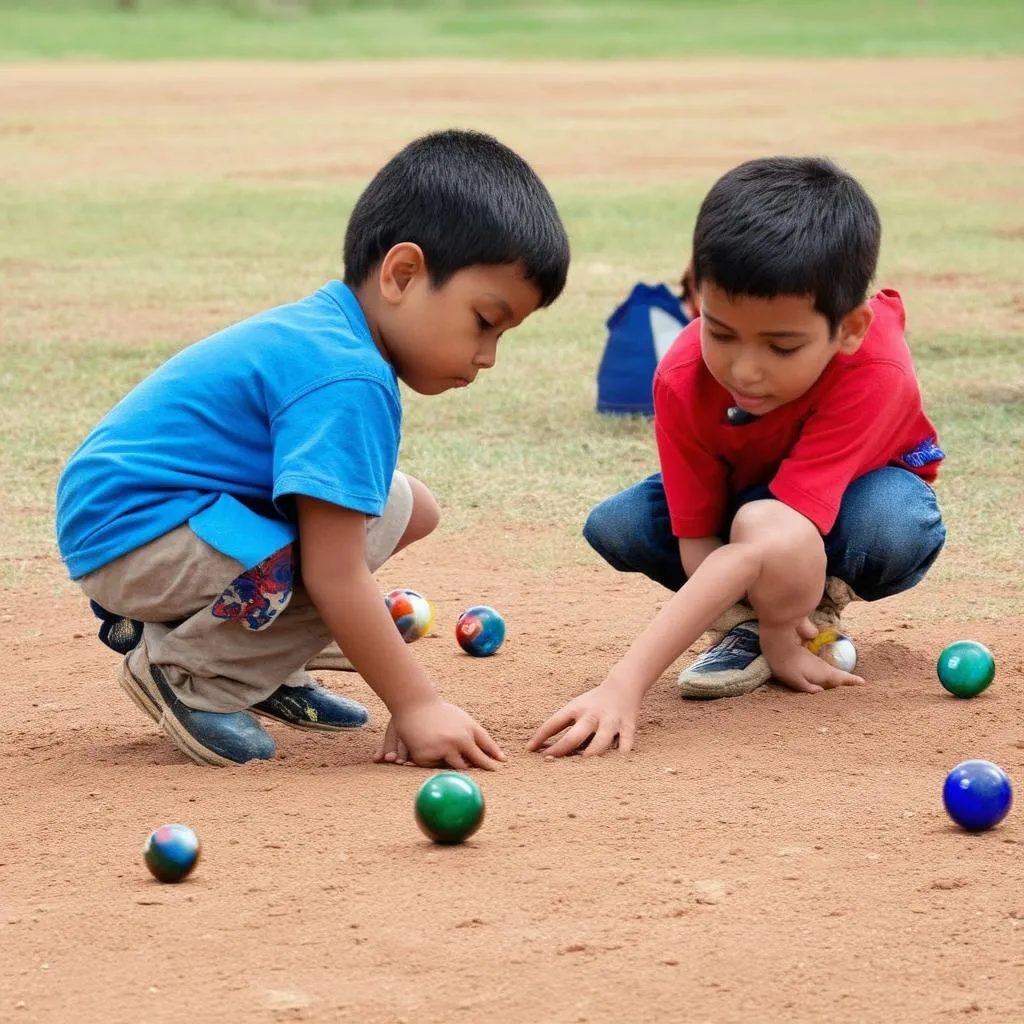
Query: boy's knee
{"type": "Point", "coordinates": [889, 533]}
{"type": "Point", "coordinates": [895, 517]}
{"type": "Point", "coordinates": [782, 537]}
{"type": "Point", "coordinates": [772, 525]}
{"type": "Point", "coordinates": [610, 532]}
{"type": "Point", "coordinates": [597, 529]}
{"type": "Point", "coordinates": [426, 514]}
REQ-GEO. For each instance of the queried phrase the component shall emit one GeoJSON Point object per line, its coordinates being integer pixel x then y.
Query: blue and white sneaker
{"type": "Point", "coordinates": [734, 664]}
{"type": "Point", "coordinates": [215, 738]}
{"type": "Point", "coordinates": [312, 707]}
{"type": "Point", "coordinates": [732, 667]}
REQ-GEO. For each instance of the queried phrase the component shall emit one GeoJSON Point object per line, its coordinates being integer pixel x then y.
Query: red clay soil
{"type": "Point", "coordinates": [769, 858]}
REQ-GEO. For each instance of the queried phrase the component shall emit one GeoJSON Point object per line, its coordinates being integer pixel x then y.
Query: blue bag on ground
{"type": "Point", "coordinates": [640, 332]}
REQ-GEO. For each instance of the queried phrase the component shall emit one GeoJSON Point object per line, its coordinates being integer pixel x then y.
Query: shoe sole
{"type": "Point", "coordinates": [169, 725]}
{"type": "Point", "coordinates": [329, 663]}
{"type": "Point", "coordinates": [697, 688]}
{"type": "Point", "coordinates": [311, 727]}
{"type": "Point", "coordinates": [712, 691]}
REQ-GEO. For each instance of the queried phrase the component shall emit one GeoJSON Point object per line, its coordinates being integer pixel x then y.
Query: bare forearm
{"type": "Point", "coordinates": [722, 578]}
{"type": "Point", "coordinates": [352, 609]}
{"type": "Point", "coordinates": [693, 551]}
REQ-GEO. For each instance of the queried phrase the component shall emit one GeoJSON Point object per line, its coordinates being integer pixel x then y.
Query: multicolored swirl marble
{"type": "Point", "coordinates": [412, 613]}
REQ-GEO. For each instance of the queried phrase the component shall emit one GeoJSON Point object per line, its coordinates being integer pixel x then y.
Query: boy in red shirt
{"type": "Point", "coordinates": [795, 454]}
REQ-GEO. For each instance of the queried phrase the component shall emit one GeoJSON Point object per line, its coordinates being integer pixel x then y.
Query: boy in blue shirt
{"type": "Point", "coordinates": [225, 517]}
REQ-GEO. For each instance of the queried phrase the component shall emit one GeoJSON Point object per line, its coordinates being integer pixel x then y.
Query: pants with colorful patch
{"type": "Point", "coordinates": [226, 637]}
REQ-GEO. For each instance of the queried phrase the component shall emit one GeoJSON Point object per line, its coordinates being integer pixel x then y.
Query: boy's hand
{"type": "Point", "coordinates": [604, 713]}
{"type": "Point", "coordinates": [437, 733]}
{"type": "Point", "coordinates": [794, 666]}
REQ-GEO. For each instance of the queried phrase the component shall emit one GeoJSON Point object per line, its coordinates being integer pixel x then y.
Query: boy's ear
{"type": "Point", "coordinates": [401, 265]}
{"type": "Point", "coordinates": [853, 327]}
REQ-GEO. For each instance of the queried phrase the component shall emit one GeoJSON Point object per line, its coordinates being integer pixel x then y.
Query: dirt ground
{"type": "Point", "coordinates": [769, 858]}
{"type": "Point", "coordinates": [91, 124]}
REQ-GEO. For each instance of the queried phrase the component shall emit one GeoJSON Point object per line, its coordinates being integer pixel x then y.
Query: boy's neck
{"type": "Point", "coordinates": [368, 301]}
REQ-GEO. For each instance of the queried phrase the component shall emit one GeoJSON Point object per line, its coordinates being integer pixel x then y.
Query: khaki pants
{"type": "Point", "coordinates": [226, 638]}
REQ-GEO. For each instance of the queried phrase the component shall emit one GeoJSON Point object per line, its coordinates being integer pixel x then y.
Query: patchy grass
{"type": "Point", "coordinates": [318, 29]}
{"type": "Point", "coordinates": [107, 273]}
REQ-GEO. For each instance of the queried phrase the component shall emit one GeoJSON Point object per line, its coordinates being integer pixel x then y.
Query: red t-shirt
{"type": "Point", "coordinates": [863, 412]}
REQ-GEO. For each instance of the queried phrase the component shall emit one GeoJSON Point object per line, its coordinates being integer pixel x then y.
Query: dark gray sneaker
{"type": "Point", "coordinates": [214, 738]}
{"type": "Point", "coordinates": [312, 707]}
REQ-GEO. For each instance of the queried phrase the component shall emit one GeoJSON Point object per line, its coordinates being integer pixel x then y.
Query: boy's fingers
{"type": "Point", "coordinates": [387, 744]}
{"type": "Point", "coordinates": [485, 743]}
{"type": "Point", "coordinates": [603, 740]}
{"type": "Point", "coordinates": [455, 760]}
{"type": "Point", "coordinates": [572, 740]}
{"type": "Point", "coordinates": [839, 678]}
{"type": "Point", "coordinates": [626, 736]}
{"type": "Point", "coordinates": [555, 724]}
{"type": "Point", "coordinates": [803, 686]}
{"type": "Point", "coordinates": [806, 629]}
{"type": "Point", "coordinates": [478, 758]}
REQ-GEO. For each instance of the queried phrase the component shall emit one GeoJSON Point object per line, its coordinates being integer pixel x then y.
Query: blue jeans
{"type": "Point", "coordinates": [888, 533]}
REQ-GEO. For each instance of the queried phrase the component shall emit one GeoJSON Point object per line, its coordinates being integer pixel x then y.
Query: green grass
{"type": "Point", "coordinates": [109, 267]}
{"type": "Point", "coordinates": [278, 29]}
{"type": "Point", "coordinates": [523, 446]}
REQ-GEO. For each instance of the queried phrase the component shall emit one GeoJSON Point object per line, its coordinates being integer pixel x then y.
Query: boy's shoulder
{"type": "Point", "coordinates": [886, 337]}
{"type": "Point", "coordinates": [328, 318]}
{"type": "Point", "coordinates": [293, 348]}
{"type": "Point", "coordinates": [883, 360]}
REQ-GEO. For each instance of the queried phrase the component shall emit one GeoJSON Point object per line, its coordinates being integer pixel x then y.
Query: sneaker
{"type": "Point", "coordinates": [833, 603]}
{"type": "Point", "coordinates": [207, 737]}
{"type": "Point", "coordinates": [330, 659]}
{"type": "Point", "coordinates": [312, 707]}
{"type": "Point", "coordinates": [733, 667]}
{"type": "Point", "coordinates": [734, 616]}
{"type": "Point", "coordinates": [118, 632]}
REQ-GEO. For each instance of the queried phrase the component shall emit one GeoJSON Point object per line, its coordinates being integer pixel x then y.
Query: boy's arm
{"type": "Point", "coordinates": [772, 558]}
{"type": "Point", "coordinates": [609, 711]}
{"type": "Point", "coordinates": [693, 551]}
{"type": "Point", "coordinates": [334, 572]}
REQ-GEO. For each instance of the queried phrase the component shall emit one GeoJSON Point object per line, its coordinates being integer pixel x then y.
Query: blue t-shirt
{"type": "Point", "coordinates": [296, 400]}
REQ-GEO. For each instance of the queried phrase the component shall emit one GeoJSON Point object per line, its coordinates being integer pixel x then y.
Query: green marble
{"type": "Point", "coordinates": [966, 668]}
{"type": "Point", "coordinates": [449, 807]}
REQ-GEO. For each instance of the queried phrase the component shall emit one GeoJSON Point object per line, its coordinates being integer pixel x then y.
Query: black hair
{"type": "Point", "coordinates": [789, 226]}
{"type": "Point", "coordinates": [465, 199]}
